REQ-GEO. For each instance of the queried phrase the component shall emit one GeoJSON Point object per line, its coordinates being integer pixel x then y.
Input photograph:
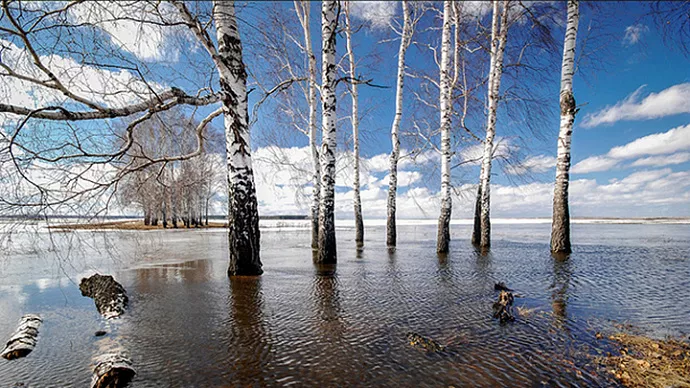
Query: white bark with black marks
{"type": "Point", "coordinates": [391, 230]}
{"type": "Point", "coordinates": [560, 228]}
{"type": "Point", "coordinates": [243, 215]}
{"type": "Point", "coordinates": [327, 242]}
{"type": "Point", "coordinates": [24, 339]}
{"type": "Point", "coordinates": [302, 8]}
{"type": "Point", "coordinates": [112, 370]}
{"type": "Point", "coordinates": [499, 34]}
{"type": "Point", "coordinates": [109, 296]}
{"type": "Point", "coordinates": [443, 238]}
{"type": "Point", "coordinates": [359, 223]}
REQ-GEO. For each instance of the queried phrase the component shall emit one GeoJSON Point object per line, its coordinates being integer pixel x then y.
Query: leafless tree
{"type": "Point", "coordinates": [64, 127]}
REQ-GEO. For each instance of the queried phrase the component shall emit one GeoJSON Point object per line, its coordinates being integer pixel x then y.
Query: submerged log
{"type": "Point", "coordinates": [503, 307]}
{"type": "Point", "coordinates": [110, 297]}
{"type": "Point", "coordinates": [500, 286]}
{"type": "Point", "coordinates": [24, 339]}
{"type": "Point", "coordinates": [112, 370]}
{"type": "Point", "coordinates": [424, 343]}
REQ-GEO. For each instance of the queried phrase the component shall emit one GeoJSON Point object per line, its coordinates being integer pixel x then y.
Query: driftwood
{"type": "Point", "coordinates": [424, 343]}
{"type": "Point", "coordinates": [503, 307]}
{"type": "Point", "coordinates": [110, 297]}
{"type": "Point", "coordinates": [23, 339]}
{"type": "Point", "coordinates": [112, 370]}
{"type": "Point", "coordinates": [500, 286]}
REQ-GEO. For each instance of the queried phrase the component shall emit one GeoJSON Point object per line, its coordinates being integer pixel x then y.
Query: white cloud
{"type": "Point", "coordinates": [535, 163]}
{"type": "Point", "coordinates": [473, 154]}
{"type": "Point", "coordinates": [112, 88]}
{"type": "Point", "coordinates": [670, 101]}
{"type": "Point", "coordinates": [644, 176]}
{"type": "Point", "coordinates": [377, 163]}
{"type": "Point", "coordinates": [594, 164]}
{"type": "Point", "coordinates": [660, 161]}
{"type": "Point", "coordinates": [378, 13]}
{"type": "Point", "coordinates": [147, 41]}
{"type": "Point", "coordinates": [634, 33]}
{"type": "Point", "coordinates": [673, 140]}
{"type": "Point", "coordinates": [475, 8]}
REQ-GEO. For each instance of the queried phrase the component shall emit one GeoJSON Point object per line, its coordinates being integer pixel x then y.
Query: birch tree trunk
{"type": "Point", "coordinates": [443, 238]}
{"type": "Point", "coordinates": [302, 7]}
{"type": "Point", "coordinates": [477, 227]}
{"type": "Point", "coordinates": [499, 35]}
{"type": "Point", "coordinates": [359, 224]}
{"type": "Point", "coordinates": [560, 228]}
{"type": "Point", "coordinates": [391, 231]}
{"type": "Point", "coordinates": [243, 215]}
{"type": "Point", "coordinates": [327, 244]}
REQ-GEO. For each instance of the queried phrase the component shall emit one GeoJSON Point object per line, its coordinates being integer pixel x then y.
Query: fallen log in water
{"type": "Point", "coordinates": [423, 343]}
{"type": "Point", "coordinates": [24, 339]}
{"type": "Point", "coordinates": [112, 370]}
{"type": "Point", "coordinates": [110, 297]}
{"type": "Point", "coordinates": [503, 307]}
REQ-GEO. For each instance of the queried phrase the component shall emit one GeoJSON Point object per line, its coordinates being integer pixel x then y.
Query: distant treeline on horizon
{"type": "Point", "coordinates": [211, 217]}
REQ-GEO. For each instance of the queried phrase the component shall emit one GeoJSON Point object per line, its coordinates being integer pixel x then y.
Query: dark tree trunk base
{"type": "Point", "coordinates": [246, 271]}
{"type": "Point", "coordinates": [391, 232]}
{"type": "Point", "coordinates": [443, 237]}
{"type": "Point", "coordinates": [476, 227]}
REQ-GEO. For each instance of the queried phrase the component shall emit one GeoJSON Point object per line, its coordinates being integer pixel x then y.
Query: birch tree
{"type": "Point", "coordinates": [327, 241]}
{"type": "Point", "coordinates": [243, 214]}
{"type": "Point", "coordinates": [354, 120]}
{"type": "Point", "coordinates": [560, 229]}
{"type": "Point", "coordinates": [443, 236]}
{"type": "Point", "coordinates": [82, 105]}
{"type": "Point", "coordinates": [499, 34]}
{"type": "Point", "coordinates": [302, 8]}
{"type": "Point", "coordinates": [405, 38]}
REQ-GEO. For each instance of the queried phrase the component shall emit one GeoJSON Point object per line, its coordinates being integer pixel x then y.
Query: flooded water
{"type": "Point", "coordinates": [188, 325]}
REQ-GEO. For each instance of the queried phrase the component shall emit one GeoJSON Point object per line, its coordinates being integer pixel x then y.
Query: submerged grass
{"type": "Point", "coordinates": [646, 362]}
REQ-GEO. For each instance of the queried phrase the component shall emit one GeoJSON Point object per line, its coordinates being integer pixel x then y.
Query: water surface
{"type": "Point", "coordinates": [299, 324]}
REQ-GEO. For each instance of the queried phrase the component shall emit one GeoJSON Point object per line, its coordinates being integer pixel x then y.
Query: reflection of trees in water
{"type": "Point", "coordinates": [196, 271]}
{"type": "Point", "coordinates": [559, 289]}
{"type": "Point", "coordinates": [483, 260]}
{"type": "Point", "coordinates": [250, 345]}
{"type": "Point", "coordinates": [392, 272]}
{"type": "Point", "coordinates": [327, 301]}
{"type": "Point", "coordinates": [444, 269]}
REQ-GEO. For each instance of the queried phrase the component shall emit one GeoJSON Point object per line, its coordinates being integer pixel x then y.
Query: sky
{"type": "Point", "coordinates": [631, 141]}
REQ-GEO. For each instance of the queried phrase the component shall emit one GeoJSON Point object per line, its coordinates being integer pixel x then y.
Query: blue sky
{"type": "Point", "coordinates": [633, 91]}
{"type": "Point", "coordinates": [630, 57]}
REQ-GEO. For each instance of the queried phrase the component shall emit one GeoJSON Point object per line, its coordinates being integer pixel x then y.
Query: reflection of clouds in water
{"type": "Point", "coordinates": [16, 295]}
{"type": "Point", "coordinates": [46, 283]}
